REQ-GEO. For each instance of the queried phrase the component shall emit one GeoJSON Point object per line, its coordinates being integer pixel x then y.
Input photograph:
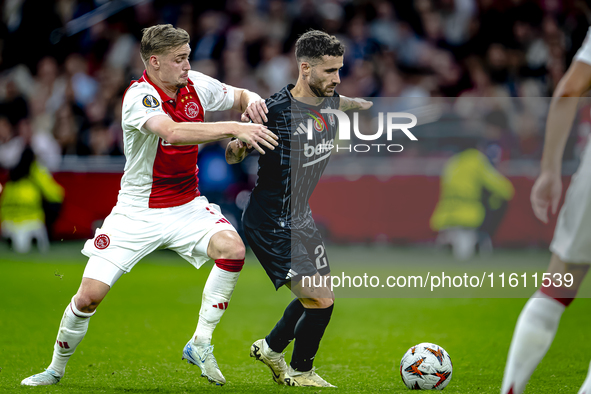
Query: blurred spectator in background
{"type": "Point", "coordinates": [467, 48]}
{"type": "Point", "coordinates": [22, 201]}
{"type": "Point", "coordinates": [494, 55]}
{"type": "Point", "coordinates": [473, 198]}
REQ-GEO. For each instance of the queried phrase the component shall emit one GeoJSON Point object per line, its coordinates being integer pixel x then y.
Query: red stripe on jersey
{"type": "Point", "coordinates": [179, 186]}
{"type": "Point", "coordinates": [174, 174]}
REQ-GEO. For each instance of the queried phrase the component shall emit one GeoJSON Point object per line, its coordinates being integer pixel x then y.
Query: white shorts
{"type": "Point", "coordinates": [102, 270]}
{"type": "Point", "coordinates": [572, 235]}
{"type": "Point", "coordinates": [129, 233]}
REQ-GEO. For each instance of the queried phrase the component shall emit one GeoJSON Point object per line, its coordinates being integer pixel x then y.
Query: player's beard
{"type": "Point", "coordinates": [317, 88]}
{"type": "Point", "coordinates": [182, 82]}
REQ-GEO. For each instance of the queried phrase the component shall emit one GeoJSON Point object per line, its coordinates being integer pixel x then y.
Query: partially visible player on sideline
{"type": "Point", "coordinates": [278, 221]}
{"type": "Point", "coordinates": [159, 204]}
{"type": "Point", "coordinates": [571, 245]}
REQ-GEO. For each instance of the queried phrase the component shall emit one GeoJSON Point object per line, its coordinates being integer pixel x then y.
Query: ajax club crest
{"type": "Point", "coordinates": [102, 241]}
{"type": "Point", "coordinates": [192, 109]}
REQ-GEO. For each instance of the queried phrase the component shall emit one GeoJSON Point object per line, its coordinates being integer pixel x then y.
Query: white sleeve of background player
{"type": "Point", "coordinates": [214, 95]}
{"type": "Point", "coordinates": [584, 53]}
{"type": "Point", "coordinates": [141, 102]}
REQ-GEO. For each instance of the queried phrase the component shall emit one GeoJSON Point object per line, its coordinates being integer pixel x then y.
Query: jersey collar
{"type": "Point", "coordinates": [164, 96]}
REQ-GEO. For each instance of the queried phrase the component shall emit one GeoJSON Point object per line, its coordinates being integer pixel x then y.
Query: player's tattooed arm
{"type": "Point", "coordinates": [347, 103]}
{"type": "Point", "coordinates": [237, 150]}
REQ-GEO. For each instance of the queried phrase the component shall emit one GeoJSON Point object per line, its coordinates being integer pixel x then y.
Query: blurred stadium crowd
{"type": "Point", "coordinates": [61, 88]}
{"type": "Point", "coordinates": [477, 73]}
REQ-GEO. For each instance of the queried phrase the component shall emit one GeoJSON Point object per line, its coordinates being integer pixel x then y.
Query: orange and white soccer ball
{"type": "Point", "coordinates": [426, 366]}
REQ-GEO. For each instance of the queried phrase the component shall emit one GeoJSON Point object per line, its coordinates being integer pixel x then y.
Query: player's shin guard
{"type": "Point", "coordinates": [216, 297]}
{"type": "Point", "coordinates": [72, 329]}
{"type": "Point", "coordinates": [308, 333]}
{"type": "Point", "coordinates": [284, 331]}
{"type": "Point", "coordinates": [534, 333]}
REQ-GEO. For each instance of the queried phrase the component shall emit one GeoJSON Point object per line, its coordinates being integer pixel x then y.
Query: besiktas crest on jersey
{"type": "Point", "coordinates": [319, 122]}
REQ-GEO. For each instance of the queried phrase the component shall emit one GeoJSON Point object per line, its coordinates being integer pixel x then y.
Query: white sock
{"type": "Point", "coordinates": [216, 297]}
{"type": "Point", "coordinates": [72, 329]}
{"type": "Point", "coordinates": [586, 387]}
{"type": "Point", "coordinates": [268, 351]}
{"type": "Point", "coordinates": [534, 332]}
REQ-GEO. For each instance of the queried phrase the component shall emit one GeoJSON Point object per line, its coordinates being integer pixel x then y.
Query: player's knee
{"type": "Point", "coordinates": [227, 245]}
{"type": "Point", "coordinates": [86, 302]}
{"type": "Point", "coordinates": [326, 302]}
{"type": "Point", "coordinates": [238, 250]}
{"type": "Point", "coordinates": [233, 250]}
{"type": "Point", "coordinates": [319, 303]}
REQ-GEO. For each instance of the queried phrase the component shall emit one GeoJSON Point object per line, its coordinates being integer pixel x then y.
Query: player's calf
{"type": "Point", "coordinates": [538, 323]}
{"type": "Point", "coordinates": [72, 330]}
{"type": "Point", "coordinates": [534, 333]}
{"type": "Point", "coordinates": [227, 249]}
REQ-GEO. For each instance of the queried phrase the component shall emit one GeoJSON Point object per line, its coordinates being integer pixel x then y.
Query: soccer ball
{"type": "Point", "coordinates": [426, 366]}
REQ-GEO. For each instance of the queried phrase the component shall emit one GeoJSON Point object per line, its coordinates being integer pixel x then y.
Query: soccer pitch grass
{"type": "Point", "coordinates": [135, 340]}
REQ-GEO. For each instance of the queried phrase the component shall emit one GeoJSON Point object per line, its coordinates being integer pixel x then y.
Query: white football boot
{"type": "Point", "coordinates": [203, 357]}
{"type": "Point", "coordinates": [308, 378]}
{"type": "Point", "coordinates": [45, 378]}
{"type": "Point", "coordinates": [275, 361]}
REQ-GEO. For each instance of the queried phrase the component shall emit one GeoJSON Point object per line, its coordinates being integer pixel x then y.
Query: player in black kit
{"type": "Point", "coordinates": [278, 221]}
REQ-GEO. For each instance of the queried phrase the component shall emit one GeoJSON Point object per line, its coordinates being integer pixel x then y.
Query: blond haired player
{"type": "Point", "coordinates": [159, 204]}
{"type": "Point", "coordinates": [571, 245]}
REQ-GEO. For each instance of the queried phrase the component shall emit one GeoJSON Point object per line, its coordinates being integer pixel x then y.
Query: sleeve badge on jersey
{"type": "Point", "coordinates": [150, 101]}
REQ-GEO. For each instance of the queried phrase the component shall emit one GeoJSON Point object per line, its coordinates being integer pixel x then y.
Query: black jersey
{"type": "Point", "coordinates": [288, 175]}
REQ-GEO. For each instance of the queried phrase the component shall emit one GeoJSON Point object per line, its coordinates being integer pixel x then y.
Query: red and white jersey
{"type": "Point", "coordinates": [157, 174]}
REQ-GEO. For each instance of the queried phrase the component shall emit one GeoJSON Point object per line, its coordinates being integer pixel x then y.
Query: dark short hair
{"type": "Point", "coordinates": [314, 44]}
{"type": "Point", "coordinates": [159, 39]}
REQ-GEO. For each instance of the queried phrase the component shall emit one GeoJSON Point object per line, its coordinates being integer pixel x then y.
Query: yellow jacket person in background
{"type": "Point", "coordinates": [471, 189]}
{"type": "Point", "coordinates": [21, 203]}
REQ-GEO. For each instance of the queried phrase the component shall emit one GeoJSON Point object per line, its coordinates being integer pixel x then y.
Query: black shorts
{"type": "Point", "coordinates": [288, 255]}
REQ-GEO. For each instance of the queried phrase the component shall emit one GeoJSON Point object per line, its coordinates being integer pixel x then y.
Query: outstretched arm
{"type": "Point", "coordinates": [347, 103]}
{"type": "Point", "coordinates": [188, 133]}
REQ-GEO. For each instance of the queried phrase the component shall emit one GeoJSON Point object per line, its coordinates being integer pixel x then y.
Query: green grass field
{"type": "Point", "coordinates": [135, 340]}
